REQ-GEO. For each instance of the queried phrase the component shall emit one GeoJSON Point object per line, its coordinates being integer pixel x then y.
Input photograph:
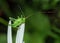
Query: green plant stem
{"type": "Point", "coordinates": [53, 34]}
{"type": "Point", "coordinates": [56, 29]}
{"type": "Point", "coordinates": [57, 41]}
{"type": "Point", "coordinates": [42, 40]}
{"type": "Point", "coordinates": [3, 21]}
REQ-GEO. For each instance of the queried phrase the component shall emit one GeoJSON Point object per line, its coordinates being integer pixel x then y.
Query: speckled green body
{"type": "Point", "coordinates": [18, 22]}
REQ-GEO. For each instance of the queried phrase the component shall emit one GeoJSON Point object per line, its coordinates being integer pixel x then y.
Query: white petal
{"type": "Point", "coordinates": [20, 33]}
{"type": "Point", "coordinates": [9, 33]}
{"type": "Point", "coordinates": [23, 42]}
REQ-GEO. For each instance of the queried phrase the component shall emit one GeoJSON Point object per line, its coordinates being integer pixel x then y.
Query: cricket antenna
{"type": "Point", "coordinates": [20, 8]}
{"type": "Point", "coordinates": [23, 13]}
{"type": "Point", "coordinates": [28, 16]}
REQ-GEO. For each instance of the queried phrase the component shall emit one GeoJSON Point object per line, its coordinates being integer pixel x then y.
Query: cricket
{"type": "Point", "coordinates": [17, 22]}
{"type": "Point", "coordinates": [20, 20]}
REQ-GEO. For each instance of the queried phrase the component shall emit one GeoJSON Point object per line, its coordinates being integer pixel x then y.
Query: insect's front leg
{"type": "Point", "coordinates": [12, 19]}
{"type": "Point", "coordinates": [15, 28]}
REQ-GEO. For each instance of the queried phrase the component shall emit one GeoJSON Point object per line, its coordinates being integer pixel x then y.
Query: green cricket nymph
{"type": "Point", "coordinates": [17, 22]}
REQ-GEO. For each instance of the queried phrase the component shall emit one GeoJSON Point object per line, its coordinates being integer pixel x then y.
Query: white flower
{"type": "Point", "coordinates": [19, 35]}
{"type": "Point", "coordinates": [9, 33]}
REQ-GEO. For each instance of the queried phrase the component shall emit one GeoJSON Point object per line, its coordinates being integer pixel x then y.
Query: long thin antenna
{"type": "Point", "coordinates": [21, 10]}
{"type": "Point", "coordinates": [28, 16]}
{"type": "Point", "coordinates": [23, 13]}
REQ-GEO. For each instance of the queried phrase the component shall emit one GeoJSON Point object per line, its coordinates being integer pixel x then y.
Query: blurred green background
{"type": "Point", "coordinates": [42, 27]}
